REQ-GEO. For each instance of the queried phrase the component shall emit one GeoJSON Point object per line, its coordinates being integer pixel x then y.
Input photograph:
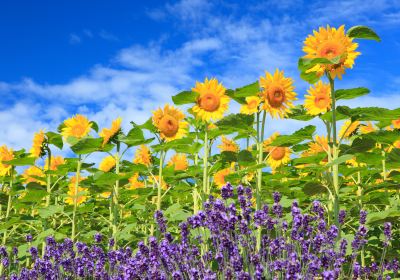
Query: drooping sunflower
{"type": "Point", "coordinates": [134, 182]}
{"type": "Point", "coordinates": [251, 105]}
{"type": "Point", "coordinates": [331, 43]}
{"type": "Point", "coordinates": [278, 93]}
{"type": "Point", "coordinates": [219, 176]}
{"type": "Point", "coordinates": [319, 99]}
{"type": "Point", "coordinates": [142, 156]}
{"type": "Point", "coordinates": [78, 126]}
{"type": "Point", "coordinates": [320, 144]}
{"type": "Point", "coordinates": [38, 142]}
{"type": "Point", "coordinates": [228, 145]}
{"type": "Point", "coordinates": [54, 163]}
{"type": "Point", "coordinates": [169, 122]}
{"type": "Point", "coordinates": [179, 162]}
{"type": "Point", "coordinates": [107, 163]}
{"type": "Point", "coordinates": [6, 154]}
{"type": "Point", "coordinates": [212, 101]}
{"type": "Point", "coordinates": [80, 196]}
{"type": "Point", "coordinates": [109, 133]}
{"type": "Point", "coordinates": [348, 128]}
{"type": "Point", "coordinates": [368, 128]}
{"type": "Point", "coordinates": [33, 174]}
{"type": "Point", "coordinates": [396, 123]}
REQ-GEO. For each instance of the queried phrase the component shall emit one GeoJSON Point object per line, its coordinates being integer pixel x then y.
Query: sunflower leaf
{"type": "Point", "coordinates": [184, 97]}
{"type": "Point", "coordinates": [363, 32]}
{"type": "Point", "coordinates": [55, 139]}
{"type": "Point", "coordinates": [248, 90]}
{"type": "Point", "coordinates": [340, 160]}
{"type": "Point", "coordinates": [87, 146]}
{"type": "Point", "coordinates": [300, 114]}
{"type": "Point", "coordinates": [295, 138]}
{"type": "Point", "coordinates": [351, 93]}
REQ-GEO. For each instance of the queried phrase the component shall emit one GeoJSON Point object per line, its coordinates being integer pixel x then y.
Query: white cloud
{"type": "Point", "coordinates": [74, 39]}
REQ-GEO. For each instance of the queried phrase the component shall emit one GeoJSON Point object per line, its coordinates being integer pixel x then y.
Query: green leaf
{"type": "Point", "coordinates": [305, 64]}
{"type": "Point", "coordinates": [21, 161]}
{"type": "Point", "coordinates": [313, 188]}
{"type": "Point", "coordinates": [55, 139]}
{"type": "Point", "coordinates": [228, 156]}
{"type": "Point", "coordinates": [105, 178]}
{"type": "Point", "coordinates": [238, 122]}
{"type": "Point", "coordinates": [248, 90]}
{"type": "Point", "coordinates": [340, 160]}
{"type": "Point", "coordinates": [363, 32]}
{"type": "Point", "coordinates": [185, 97]}
{"type": "Point", "coordinates": [369, 113]}
{"type": "Point", "coordinates": [34, 193]}
{"type": "Point", "coordinates": [300, 114]}
{"type": "Point", "coordinates": [50, 211]}
{"type": "Point", "coordinates": [95, 126]}
{"type": "Point", "coordinates": [295, 138]}
{"type": "Point", "coordinates": [351, 93]}
{"type": "Point", "coordinates": [360, 145]}
{"type": "Point", "coordinates": [87, 146]}
{"type": "Point", "coordinates": [245, 157]}
{"type": "Point", "coordinates": [135, 137]}
{"type": "Point", "coordinates": [384, 136]}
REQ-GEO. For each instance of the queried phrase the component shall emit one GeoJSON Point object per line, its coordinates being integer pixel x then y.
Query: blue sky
{"type": "Point", "coordinates": [125, 58]}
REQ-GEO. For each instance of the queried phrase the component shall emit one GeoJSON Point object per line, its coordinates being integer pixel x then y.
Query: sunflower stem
{"type": "Point", "coordinates": [114, 199]}
{"type": "Point", "coordinates": [9, 204]}
{"type": "Point", "coordinates": [160, 180]}
{"type": "Point", "coordinates": [48, 197]}
{"type": "Point", "coordinates": [205, 163]}
{"type": "Point", "coordinates": [260, 138]}
{"type": "Point", "coordinates": [78, 170]}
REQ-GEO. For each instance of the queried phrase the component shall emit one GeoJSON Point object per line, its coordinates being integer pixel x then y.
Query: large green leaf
{"type": "Point", "coordinates": [50, 211]}
{"type": "Point", "coordinates": [248, 90]}
{"type": "Point", "coordinates": [55, 139]}
{"type": "Point", "coordinates": [340, 160]}
{"type": "Point", "coordinates": [135, 137]}
{"type": "Point", "coordinates": [363, 32]}
{"type": "Point", "coordinates": [295, 138]}
{"type": "Point", "coordinates": [313, 188]}
{"type": "Point", "coordinates": [22, 161]}
{"type": "Point", "coordinates": [185, 97]}
{"type": "Point", "coordinates": [384, 136]}
{"type": "Point", "coordinates": [299, 113]}
{"type": "Point", "coordinates": [236, 122]}
{"type": "Point", "coordinates": [350, 93]}
{"type": "Point", "coordinates": [87, 146]}
{"type": "Point", "coordinates": [34, 193]}
{"type": "Point", "coordinates": [245, 158]}
{"type": "Point", "coordinates": [369, 113]}
{"type": "Point", "coordinates": [360, 145]}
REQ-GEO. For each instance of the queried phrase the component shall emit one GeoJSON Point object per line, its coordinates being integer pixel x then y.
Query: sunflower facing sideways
{"type": "Point", "coordinates": [142, 156]}
{"type": "Point", "coordinates": [109, 133]}
{"type": "Point", "coordinates": [228, 145]}
{"type": "Point", "coordinates": [277, 93]}
{"type": "Point", "coordinates": [212, 102]}
{"type": "Point", "coordinates": [169, 122]}
{"type": "Point", "coordinates": [6, 154]}
{"type": "Point", "coordinates": [348, 129]}
{"type": "Point", "coordinates": [33, 174]}
{"type": "Point", "coordinates": [251, 106]}
{"type": "Point", "coordinates": [396, 123]}
{"type": "Point", "coordinates": [319, 145]}
{"type": "Point", "coordinates": [318, 101]}
{"type": "Point", "coordinates": [179, 162]}
{"type": "Point", "coordinates": [54, 163]}
{"type": "Point", "coordinates": [38, 142]}
{"type": "Point", "coordinates": [80, 195]}
{"type": "Point", "coordinates": [78, 126]}
{"type": "Point", "coordinates": [107, 163]}
{"type": "Point", "coordinates": [331, 43]}
{"type": "Point", "coordinates": [219, 176]}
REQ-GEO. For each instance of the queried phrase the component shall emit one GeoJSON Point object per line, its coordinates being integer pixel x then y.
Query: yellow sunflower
{"type": "Point", "coordinates": [80, 195]}
{"type": "Point", "coordinates": [134, 182]}
{"type": "Point", "coordinates": [348, 128]}
{"type": "Point", "coordinates": [54, 163]}
{"type": "Point", "coordinates": [6, 154]}
{"type": "Point", "coordinates": [331, 43]}
{"type": "Point", "coordinates": [78, 126]}
{"type": "Point", "coordinates": [212, 102]}
{"type": "Point", "coordinates": [277, 93]}
{"type": "Point", "coordinates": [267, 143]}
{"type": "Point", "coordinates": [278, 156]}
{"type": "Point", "coordinates": [105, 195]}
{"type": "Point", "coordinates": [169, 123]}
{"type": "Point", "coordinates": [179, 162]}
{"type": "Point", "coordinates": [396, 144]}
{"type": "Point", "coordinates": [107, 163]}
{"type": "Point", "coordinates": [164, 185]}
{"type": "Point", "coordinates": [396, 123]}
{"type": "Point", "coordinates": [37, 145]}
{"type": "Point", "coordinates": [228, 145]}
{"type": "Point", "coordinates": [354, 163]}
{"type": "Point", "coordinates": [219, 176]}
{"type": "Point", "coordinates": [251, 105]}
{"type": "Point", "coordinates": [108, 133]}
{"type": "Point", "coordinates": [33, 174]}
{"type": "Point", "coordinates": [320, 144]}
{"type": "Point", "coordinates": [368, 128]}
{"type": "Point", "coordinates": [319, 99]}
{"type": "Point", "coordinates": [142, 156]}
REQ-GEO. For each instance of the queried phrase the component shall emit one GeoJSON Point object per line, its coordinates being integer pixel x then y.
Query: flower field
{"type": "Point", "coordinates": [207, 194]}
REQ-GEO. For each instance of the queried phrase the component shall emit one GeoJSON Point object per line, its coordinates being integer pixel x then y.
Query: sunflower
{"type": "Point", "coordinates": [109, 133]}
{"type": "Point", "coordinates": [164, 185]}
{"type": "Point", "coordinates": [228, 145]}
{"type": "Point", "coordinates": [80, 195]}
{"type": "Point", "coordinates": [33, 174]}
{"type": "Point", "coordinates": [211, 102]}
{"type": "Point", "coordinates": [268, 141]}
{"type": "Point", "coordinates": [6, 154]}
{"type": "Point", "coordinates": [331, 43]}
{"type": "Point", "coordinates": [78, 126]}
{"type": "Point", "coordinates": [142, 156]}
{"type": "Point", "coordinates": [277, 93]}
{"type": "Point", "coordinates": [105, 195]}
{"type": "Point", "coordinates": [348, 129]}
{"type": "Point", "coordinates": [37, 149]}
{"type": "Point", "coordinates": [169, 123]}
{"type": "Point", "coordinates": [320, 144]}
{"type": "Point", "coordinates": [134, 182]}
{"type": "Point", "coordinates": [54, 163]}
{"type": "Point", "coordinates": [319, 99]}
{"type": "Point", "coordinates": [107, 163]}
{"type": "Point", "coordinates": [251, 105]}
{"type": "Point", "coordinates": [278, 156]}
{"type": "Point", "coordinates": [354, 163]}
{"type": "Point", "coordinates": [369, 127]}
{"type": "Point", "coordinates": [179, 162]}
{"type": "Point", "coordinates": [396, 123]}
{"type": "Point", "coordinates": [219, 176]}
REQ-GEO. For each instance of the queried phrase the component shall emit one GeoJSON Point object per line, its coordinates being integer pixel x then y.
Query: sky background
{"type": "Point", "coordinates": [126, 58]}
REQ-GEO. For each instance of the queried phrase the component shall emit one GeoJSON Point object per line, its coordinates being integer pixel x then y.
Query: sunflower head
{"type": "Point", "coordinates": [267, 143]}
{"type": "Point", "coordinates": [79, 196]}
{"type": "Point", "coordinates": [211, 102]}
{"type": "Point", "coordinates": [38, 144]}
{"type": "Point", "coordinates": [331, 43]}
{"type": "Point", "coordinates": [179, 162]}
{"type": "Point", "coordinates": [6, 154]}
{"type": "Point", "coordinates": [251, 105]}
{"type": "Point", "coordinates": [78, 126]}
{"type": "Point", "coordinates": [228, 145]}
{"type": "Point", "coordinates": [142, 156]}
{"type": "Point", "coordinates": [105, 195]}
{"type": "Point", "coordinates": [169, 122]}
{"type": "Point", "coordinates": [54, 163]}
{"type": "Point", "coordinates": [318, 100]}
{"type": "Point", "coordinates": [156, 181]}
{"type": "Point", "coordinates": [354, 163]}
{"type": "Point", "coordinates": [278, 156]}
{"type": "Point", "coordinates": [319, 145]}
{"type": "Point", "coordinates": [33, 174]}
{"type": "Point", "coordinates": [134, 182]}
{"type": "Point", "coordinates": [107, 163]}
{"type": "Point", "coordinates": [108, 134]}
{"type": "Point", "coordinates": [396, 123]}
{"type": "Point", "coordinates": [348, 129]}
{"type": "Point", "coordinates": [277, 94]}
{"type": "Point", "coordinates": [367, 128]}
{"type": "Point", "coordinates": [219, 176]}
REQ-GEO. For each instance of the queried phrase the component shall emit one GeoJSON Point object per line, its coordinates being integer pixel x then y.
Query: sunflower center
{"type": "Point", "coordinates": [321, 101]}
{"type": "Point", "coordinates": [78, 130]}
{"type": "Point", "coordinates": [209, 102]}
{"type": "Point", "coordinates": [169, 126]}
{"type": "Point", "coordinates": [278, 153]}
{"type": "Point", "coordinates": [276, 96]}
{"type": "Point", "coordinates": [330, 50]}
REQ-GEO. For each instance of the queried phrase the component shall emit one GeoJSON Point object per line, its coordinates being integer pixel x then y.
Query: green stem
{"type": "Point", "coordinates": [260, 139]}
{"type": "Point", "coordinates": [9, 204]}
{"type": "Point", "coordinates": [77, 176]}
{"type": "Point", "coordinates": [205, 163]}
{"type": "Point", "coordinates": [160, 180]}
{"type": "Point", "coordinates": [114, 199]}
